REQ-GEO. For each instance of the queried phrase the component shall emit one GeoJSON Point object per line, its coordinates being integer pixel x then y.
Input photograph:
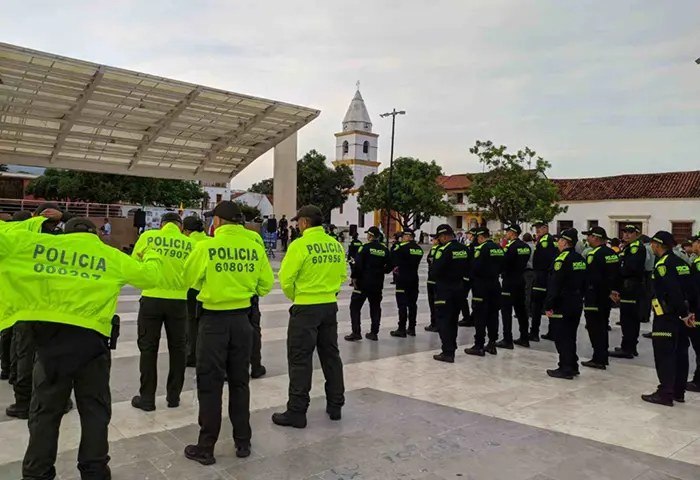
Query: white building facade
{"type": "Point", "coordinates": [356, 146]}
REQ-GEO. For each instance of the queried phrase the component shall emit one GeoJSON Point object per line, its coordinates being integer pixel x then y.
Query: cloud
{"type": "Point", "coordinates": [596, 88]}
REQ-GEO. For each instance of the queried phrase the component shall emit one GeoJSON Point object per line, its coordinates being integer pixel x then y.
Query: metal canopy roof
{"type": "Point", "coordinates": [66, 113]}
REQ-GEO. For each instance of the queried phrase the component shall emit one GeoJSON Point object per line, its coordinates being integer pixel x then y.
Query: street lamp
{"type": "Point", "coordinates": [393, 115]}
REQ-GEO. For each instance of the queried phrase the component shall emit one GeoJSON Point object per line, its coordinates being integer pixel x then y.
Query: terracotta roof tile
{"type": "Point", "coordinates": [455, 182]}
{"type": "Point", "coordinates": [634, 186]}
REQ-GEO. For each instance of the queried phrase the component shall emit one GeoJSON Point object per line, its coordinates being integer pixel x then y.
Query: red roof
{"type": "Point", "coordinates": [634, 186]}
{"type": "Point", "coordinates": [455, 182]}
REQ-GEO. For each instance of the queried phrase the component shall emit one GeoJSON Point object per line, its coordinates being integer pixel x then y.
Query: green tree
{"type": "Point", "coordinates": [514, 186]}
{"type": "Point", "coordinates": [77, 186]}
{"type": "Point", "coordinates": [250, 212]}
{"type": "Point", "coordinates": [264, 186]}
{"type": "Point", "coordinates": [416, 194]}
{"type": "Point", "coordinates": [317, 183]}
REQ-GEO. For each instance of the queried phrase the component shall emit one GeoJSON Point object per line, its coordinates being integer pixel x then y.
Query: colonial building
{"type": "Point", "coordinates": [356, 147]}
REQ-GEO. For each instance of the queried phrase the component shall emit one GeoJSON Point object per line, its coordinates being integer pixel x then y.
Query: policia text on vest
{"type": "Point", "coordinates": [70, 317]}
{"type": "Point", "coordinates": [163, 306]}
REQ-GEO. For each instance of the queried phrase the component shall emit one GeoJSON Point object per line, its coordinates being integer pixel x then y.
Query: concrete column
{"type": "Point", "coordinates": [285, 178]}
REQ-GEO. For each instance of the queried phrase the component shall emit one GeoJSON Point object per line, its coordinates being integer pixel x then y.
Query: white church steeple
{"type": "Point", "coordinates": [357, 116]}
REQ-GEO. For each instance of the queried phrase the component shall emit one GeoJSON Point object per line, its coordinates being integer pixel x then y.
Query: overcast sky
{"type": "Point", "coordinates": [595, 87]}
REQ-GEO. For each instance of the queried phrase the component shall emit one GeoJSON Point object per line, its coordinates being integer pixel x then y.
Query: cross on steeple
{"type": "Point", "coordinates": [358, 84]}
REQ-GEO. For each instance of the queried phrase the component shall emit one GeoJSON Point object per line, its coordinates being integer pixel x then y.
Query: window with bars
{"type": "Point", "coordinates": [681, 231]}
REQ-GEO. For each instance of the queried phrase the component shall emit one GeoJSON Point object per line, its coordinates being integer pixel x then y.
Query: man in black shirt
{"type": "Point", "coordinates": [602, 277]}
{"type": "Point", "coordinates": [564, 302]}
{"type": "Point", "coordinates": [486, 292]}
{"type": "Point", "coordinates": [545, 251]}
{"type": "Point", "coordinates": [353, 248]}
{"type": "Point", "coordinates": [674, 290]}
{"type": "Point", "coordinates": [406, 258]}
{"type": "Point", "coordinates": [517, 254]}
{"type": "Point", "coordinates": [450, 262]}
{"type": "Point", "coordinates": [372, 264]}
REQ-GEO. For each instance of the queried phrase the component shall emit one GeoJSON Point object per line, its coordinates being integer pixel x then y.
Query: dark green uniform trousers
{"type": "Point", "coordinates": [25, 351]}
{"type": "Point", "coordinates": [223, 351]}
{"type": "Point", "coordinates": [69, 359]}
{"type": "Point", "coordinates": [194, 309]}
{"type": "Point", "coordinates": [154, 313]}
{"type": "Point", "coordinates": [6, 352]}
{"type": "Point", "coordinates": [256, 350]}
{"type": "Point", "coordinates": [314, 327]}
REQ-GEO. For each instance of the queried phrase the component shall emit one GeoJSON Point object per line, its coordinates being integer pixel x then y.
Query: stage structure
{"type": "Point", "coordinates": [64, 113]}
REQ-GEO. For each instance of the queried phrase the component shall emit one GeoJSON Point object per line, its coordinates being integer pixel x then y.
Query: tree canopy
{"type": "Point", "coordinates": [264, 186]}
{"type": "Point", "coordinates": [514, 186]}
{"type": "Point", "coordinates": [317, 183]}
{"type": "Point", "coordinates": [91, 187]}
{"type": "Point", "coordinates": [416, 194]}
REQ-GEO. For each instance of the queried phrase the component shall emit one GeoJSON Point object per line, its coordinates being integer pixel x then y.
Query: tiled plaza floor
{"type": "Point", "coordinates": [407, 416]}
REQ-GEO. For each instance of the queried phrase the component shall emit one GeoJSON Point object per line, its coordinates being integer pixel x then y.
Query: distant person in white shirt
{"type": "Point", "coordinates": [106, 230]}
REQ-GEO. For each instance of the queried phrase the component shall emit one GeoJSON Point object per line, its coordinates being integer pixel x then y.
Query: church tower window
{"type": "Point", "coordinates": [365, 147]}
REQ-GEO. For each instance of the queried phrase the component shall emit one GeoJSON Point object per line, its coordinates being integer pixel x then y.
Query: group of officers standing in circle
{"type": "Point", "coordinates": [566, 285]}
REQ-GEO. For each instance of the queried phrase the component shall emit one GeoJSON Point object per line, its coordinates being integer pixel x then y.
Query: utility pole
{"type": "Point", "coordinates": [393, 115]}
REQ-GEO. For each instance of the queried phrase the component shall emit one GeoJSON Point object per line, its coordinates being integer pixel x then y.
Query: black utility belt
{"type": "Point", "coordinates": [237, 311]}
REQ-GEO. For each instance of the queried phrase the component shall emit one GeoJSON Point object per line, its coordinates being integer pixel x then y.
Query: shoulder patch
{"type": "Point", "coordinates": [662, 270]}
{"type": "Point", "coordinates": [633, 250]}
{"type": "Point", "coordinates": [438, 254]}
{"type": "Point", "coordinates": [557, 266]}
{"type": "Point", "coordinates": [590, 259]}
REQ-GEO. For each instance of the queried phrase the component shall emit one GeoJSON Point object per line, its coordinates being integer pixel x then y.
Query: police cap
{"type": "Point", "coordinates": [408, 231]}
{"type": "Point", "coordinates": [21, 216]}
{"type": "Point", "coordinates": [228, 210]}
{"type": "Point", "coordinates": [514, 227]}
{"type": "Point", "coordinates": [80, 225]}
{"type": "Point", "coordinates": [374, 231]}
{"type": "Point", "coordinates": [46, 206]}
{"type": "Point", "coordinates": [631, 228]}
{"type": "Point", "coordinates": [312, 212]}
{"type": "Point", "coordinates": [539, 223]}
{"type": "Point", "coordinates": [193, 224]}
{"type": "Point", "coordinates": [664, 238]}
{"type": "Point", "coordinates": [482, 231]}
{"type": "Point", "coordinates": [170, 217]}
{"type": "Point", "coordinates": [444, 229]}
{"type": "Point", "coordinates": [596, 232]}
{"type": "Point", "coordinates": [570, 234]}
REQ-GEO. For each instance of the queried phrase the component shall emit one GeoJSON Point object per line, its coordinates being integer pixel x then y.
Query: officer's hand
{"type": "Point", "coordinates": [549, 313]}
{"type": "Point", "coordinates": [52, 214]}
{"type": "Point", "coordinates": [689, 321]}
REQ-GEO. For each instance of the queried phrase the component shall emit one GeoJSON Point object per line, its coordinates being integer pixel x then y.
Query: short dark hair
{"type": "Point", "coordinates": [527, 237]}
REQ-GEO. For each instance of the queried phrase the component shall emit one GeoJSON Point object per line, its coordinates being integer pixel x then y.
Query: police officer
{"type": "Point", "coordinates": [311, 275]}
{"type": "Point", "coordinates": [448, 267]}
{"type": "Point", "coordinates": [71, 330]}
{"type": "Point", "coordinates": [231, 268]}
{"type": "Point", "coordinates": [193, 227]}
{"type": "Point", "coordinates": [406, 258]}
{"type": "Point", "coordinates": [694, 333]}
{"type": "Point", "coordinates": [486, 292]}
{"type": "Point", "coordinates": [517, 254]}
{"type": "Point", "coordinates": [542, 259]}
{"type": "Point", "coordinates": [602, 276]}
{"type": "Point", "coordinates": [166, 306]}
{"type": "Point", "coordinates": [674, 290]}
{"type": "Point", "coordinates": [467, 319]}
{"type": "Point", "coordinates": [632, 272]}
{"type": "Point", "coordinates": [373, 263]}
{"type": "Point", "coordinates": [430, 285]}
{"type": "Point", "coordinates": [43, 220]}
{"type": "Point", "coordinates": [353, 248]}
{"type": "Point", "coordinates": [564, 302]}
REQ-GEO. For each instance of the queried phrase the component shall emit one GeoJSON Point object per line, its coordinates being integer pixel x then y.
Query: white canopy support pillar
{"type": "Point", "coordinates": [285, 178]}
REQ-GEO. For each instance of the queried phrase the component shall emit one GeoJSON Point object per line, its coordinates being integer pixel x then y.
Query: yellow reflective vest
{"type": "Point", "coordinates": [313, 268]}
{"type": "Point", "coordinates": [228, 270]}
{"type": "Point", "coordinates": [73, 279]}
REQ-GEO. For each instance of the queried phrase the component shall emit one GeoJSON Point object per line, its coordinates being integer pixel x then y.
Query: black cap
{"type": "Point", "coordinates": [539, 223]}
{"type": "Point", "coordinates": [21, 216]}
{"type": "Point", "coordinates": [444, 229]}
{"type": "Point", "coordinates": [631, 228]}
{"type": "Point", "coordinates": [597, 232]}
{"type": "Point", "coordinates": [514, 227]}
{"type": "Point", "coordinates": [170, 217]}
{"type": "Point", "coordinates": [408, 231]}
{"type": "Point", "coordinates": [228, 210]}
{"type": "Point", "coordinates": [482, 231]}
{"type": "Point", "coordinates": [570, 234]}
{"type": "Point", "coordinates": [80, 225]}
{"type": "Point", "coordinates": [311, 212]}
{"type": "Point", "coordinates": [664, 238]}
{"type": "Point", "coordinates": [46, 206]}
{"type": "Point", "coordinates": [193, 224]}
{"type": "Point", "coordinates": [374, 231]}
{"type": "Point", "coordinates": [471, 231]}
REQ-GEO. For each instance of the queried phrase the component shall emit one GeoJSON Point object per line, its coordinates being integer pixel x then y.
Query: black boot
{"type": "Point", "coordinates": [16, 411]}
{"type": "Point", "coordinates": [431, 328]}
{"type": "Point", "coordinates": [398, 333]}
{"type": "Point", "coordinates": [547, 336]}
{"type": "Point", "coordinates": [141, 404]}
{"type": "Point", "coordinates": [491, 348]}
{"type": "Point", "coordinates": [371, 336]}
{"type": "Point", "coordinates": [243, 450]}
{"type": "Point", "coordinates": [199, 454]}
{"type": "Point", "coordinates": [441, 357]}
{"type": "Point", "coordinates": [4, 375]}
{"type": "Point", "coordinates": [411, 332]}
{"type": "Point", "coordinates": [353, 337]}
{"type": "Point", "coordinates": [257, 371]}
{"type": "Point", "coordinates": [289, 419]}
{"type": "Point", "coordinates": [523, 342]}
{"type": "Point", "coordinates": [476, 351]}
{"type": "Point", "coordinates": [559, 373]}
{"type": "Point", "coordinates": [508, 345]}
{"type": "Point", "coordinates": [534, 337]}
{"type": "Point", "coordinates": [658, 399]}
{"type": "Point", "coordinates": [467, 322]}
{"type": "Point", "coordinates": [334, 413]}
{"type": "Point", "coordinates": [620, 353]}
{"type": "Point", "coordinates": [596, 365]}
{"type": "Point", "coordinates": [692, 387]}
